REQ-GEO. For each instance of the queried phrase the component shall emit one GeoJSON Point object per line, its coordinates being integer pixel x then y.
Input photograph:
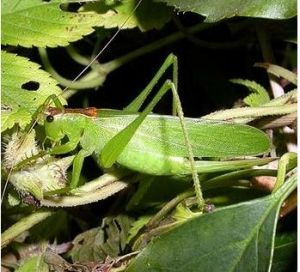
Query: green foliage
{"type": "Point", "coordinates": [285, 251]}
{"type": "Point", "coordinates": [219, 10]}
{"type": "Point", "coordinates": [24, 88]}
{"type": "Point", "coordinates": [223, 240]}
{"type": "Point", "coordinates": [137, 225]}
{"type": "Point", "coordinates": [33, 264]}
{"type": "Point", "coordinates": [259, 95]}
{"type": "Point", "coordinates": [43, 23]}
{"type": "Point", "coordinates": [115, 13]}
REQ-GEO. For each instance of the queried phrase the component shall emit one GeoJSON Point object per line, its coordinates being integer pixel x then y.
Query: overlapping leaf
{"type": "Point", "coordinates": [43, 23]}
{"type": "Point", "coordinates": [216, 10]}
{"type": "Point", "coordinates": [224, 240]}
{"type": "Point", "coordinates": [122, 14]}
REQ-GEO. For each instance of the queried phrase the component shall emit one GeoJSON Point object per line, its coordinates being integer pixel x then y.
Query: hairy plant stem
{"type": "Point", "coordinates": [276, 88]}
{"type": "Point", "coordinates": [23, 225]}
{"type": "Point", "coordinates": [251, 112]}
{"type": "Point", "coordinates": [238, 114]}
{"type": "Point", "coordinates": [93, 191]}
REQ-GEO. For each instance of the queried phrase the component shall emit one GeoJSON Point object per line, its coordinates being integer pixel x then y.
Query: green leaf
{"type": "Point", "coordinates": [43, 23]}
{"type": "Point", "coordinates": [18, 102]}
{"type": "Point", "coordinates": [216, 10]}
{"type": "Point", "coordinates": [224, 240]}
{"type": "Point", "coordinates": [259, 94]}
{"type": "Point", "coordinates": [116, 13]}
{"type": "Point", "coordinates": [285, 252]}
{"type": "Point", "coordinates": [33, 264]}
{"type": "Point", "coordinates": [137, 226]}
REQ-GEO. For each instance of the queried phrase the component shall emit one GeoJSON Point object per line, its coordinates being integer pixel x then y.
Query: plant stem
{"type": "Point", "coordinates": [97, 76]}
{"type": "Point", "coordinates": [268, 56]}
{"type": "Point", "coordinates": [230, 179]}
{"type": "Point", "coordinates": [116, 63]}
{"type": "Point", "coordinates": [287, 162]}
{"type": "Point", "coordinates": [154, 221]}
{"type": "Point", "coordinates": [253, 112]}
{"type": "Point", "coordinates": [23, 225]}
{"type": "Point", "coordinates": [93, 191]}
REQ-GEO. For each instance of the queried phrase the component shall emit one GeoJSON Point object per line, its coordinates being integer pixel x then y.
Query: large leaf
{"type": "Point", "coordinates": [216, 10]}
{"type": "Point", "coordinates": [285, 253]}
{"type": "Point", "coordinates": [116, 13]}
{"type": "Point", "coordinates": [24, 88]}
{"type": "Point", "coordinates": [43, 23]}
{"type": "Point", "coordinates": [235, 238]}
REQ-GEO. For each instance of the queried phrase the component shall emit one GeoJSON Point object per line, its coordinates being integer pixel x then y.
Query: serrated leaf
{"type": "Point", "coordinates": [224, 240]}
{"type": "Point", "coordinates": [43, 23]}
{"type": "Point", "coordinates": [17, 102]}
{"type": "Point", "coordinates": [115, 13]}
{"type": "Point", "coordinates": [259, 95]}
{"type": "Point", "coordinates": [216, 10]}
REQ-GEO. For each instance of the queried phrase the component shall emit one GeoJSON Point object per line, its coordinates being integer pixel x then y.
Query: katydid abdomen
{"type": "Point", "coordinates": [158, 146]}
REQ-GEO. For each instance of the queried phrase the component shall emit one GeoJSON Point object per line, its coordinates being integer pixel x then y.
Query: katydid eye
{"type": "Point", "coordinates": [50, 118]}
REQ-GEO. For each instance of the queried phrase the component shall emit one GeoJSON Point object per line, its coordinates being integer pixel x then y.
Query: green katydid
{"type": "Point", "coordinates": [153, 144]}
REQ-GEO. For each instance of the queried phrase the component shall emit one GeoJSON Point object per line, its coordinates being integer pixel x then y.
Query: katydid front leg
{"type": "Point", "coordinates": [77, 167]}
{"type": "Point", "coordinates": [56, 133]}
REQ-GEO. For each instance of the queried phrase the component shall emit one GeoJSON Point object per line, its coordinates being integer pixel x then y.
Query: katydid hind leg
{"type": "Point", "coordinates": [136, 104]}
{"type": "Point", "coordinates": [177, 108]}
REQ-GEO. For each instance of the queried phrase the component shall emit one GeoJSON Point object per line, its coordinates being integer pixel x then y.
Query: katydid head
{"type": "Point", "coordinates": [60, 124]}
{"type": "Point", "coordinates": [53, 128]}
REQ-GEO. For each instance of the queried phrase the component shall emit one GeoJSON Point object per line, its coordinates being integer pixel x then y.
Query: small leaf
{"type": "Point", "coordinates": [18, 103]}
{"type": "Point", "coordinates": [259, 94]}
{"type": "Point", "coordinates": [116, 13]}
{"type": "Point", "coordinates": [182, 213]}
{"type": "Point", "coordinates": [43, 23]}
{"type": "Point", "coordinates": [224, 240]}
{"type": "Point", "coordinates": [216, 10]}
{"type": "Point", "coordinates": [137, 225]}
{"type": "Point", "coordinates": [33, 264]}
